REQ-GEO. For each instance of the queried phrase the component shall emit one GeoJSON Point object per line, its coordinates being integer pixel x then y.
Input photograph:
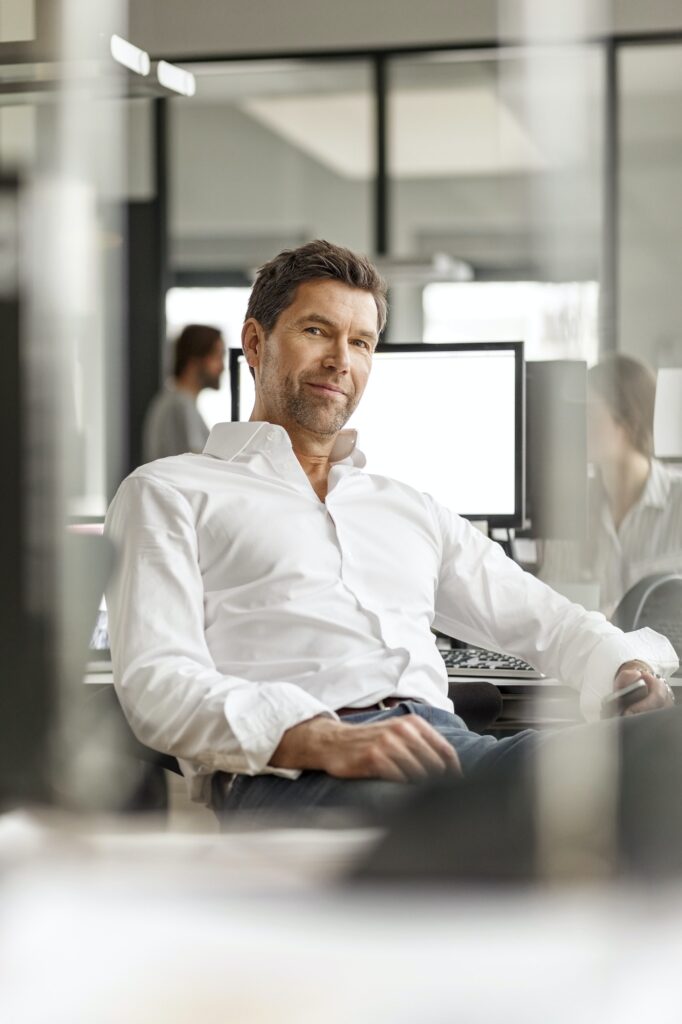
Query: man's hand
{"type": "Point", "coordinates": [659, 696]}
{"type": "Point", "coordinates": [404, 749]}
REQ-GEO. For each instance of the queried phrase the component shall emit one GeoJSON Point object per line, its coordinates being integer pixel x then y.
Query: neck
{"type": "Point", "coordinates": [188, 383]}
{"type": "Point", "coordinates": [312, 450]}
{"type": "Point", "coordinates": [624, 481]}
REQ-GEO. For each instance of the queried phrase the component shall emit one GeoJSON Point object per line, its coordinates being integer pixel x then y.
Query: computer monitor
{"type": "Point", "coordinates": [556, 449]}
{"type": "Point", "coordinates": [447, 419]}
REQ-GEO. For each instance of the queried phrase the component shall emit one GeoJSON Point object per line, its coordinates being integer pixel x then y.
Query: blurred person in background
{"type": "Point", "coordinates": [635, 502]}
{"type": "Point", "coordinates": [173, 424]}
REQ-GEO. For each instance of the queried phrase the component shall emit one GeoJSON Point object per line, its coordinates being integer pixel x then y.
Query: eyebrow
{"type": "Point", "coordinates": [319, 318]}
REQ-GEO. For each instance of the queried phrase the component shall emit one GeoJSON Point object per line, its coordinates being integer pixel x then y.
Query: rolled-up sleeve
{"type": "Point", "coordinates": [484, 598]}
{"type": "Point", "coordinates": [174, 697]}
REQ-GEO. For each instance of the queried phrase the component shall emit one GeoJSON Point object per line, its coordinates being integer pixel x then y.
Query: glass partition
{"type": "Point", "coordinates": [479, 172]}
{"type": "Point", "coordinates": [270, 154]}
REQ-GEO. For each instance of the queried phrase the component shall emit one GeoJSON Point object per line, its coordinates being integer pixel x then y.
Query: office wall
{"type": "Point", "coordinates": [237, 189]}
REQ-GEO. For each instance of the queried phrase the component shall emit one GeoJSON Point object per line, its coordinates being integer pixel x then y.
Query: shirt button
{"type": "Point", "coordinates": [270, 435]}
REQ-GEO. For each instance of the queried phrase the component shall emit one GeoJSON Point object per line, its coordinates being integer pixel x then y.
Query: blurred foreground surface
{"type": "Point", "coordinates": [104, 925]}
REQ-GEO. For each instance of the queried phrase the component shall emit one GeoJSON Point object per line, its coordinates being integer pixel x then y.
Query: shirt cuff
{"type": "Point", "coordinates": [258, 717]}
{"type": "Point", "coordinates": [641, 645]}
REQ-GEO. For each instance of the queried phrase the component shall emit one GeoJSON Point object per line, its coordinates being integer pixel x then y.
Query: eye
{"type": "Point", "coordinates": [315, 331]}
{"type": "Point", "coordinates": [362, 342]}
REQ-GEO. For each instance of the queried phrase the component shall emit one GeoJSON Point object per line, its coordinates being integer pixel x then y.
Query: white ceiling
{"type": "Point", "coordinates": [432, 132]}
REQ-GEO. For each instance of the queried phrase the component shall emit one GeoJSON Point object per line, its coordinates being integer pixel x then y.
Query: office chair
{"type": "Point", "coordinates": [654, 601]}
{"type": "Point", "coordinates": [478, 703]}
{"type": "Point", "coordinates": [111, 769]}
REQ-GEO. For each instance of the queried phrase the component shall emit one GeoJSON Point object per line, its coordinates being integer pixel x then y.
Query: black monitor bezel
{"type": "Point", "coordinates": [509, 520]}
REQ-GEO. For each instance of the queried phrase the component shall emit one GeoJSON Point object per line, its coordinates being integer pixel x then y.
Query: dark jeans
{"type": "Point", "coordinates": [490, 825]}
{"type": "Point", "coordinates": [317, 790]}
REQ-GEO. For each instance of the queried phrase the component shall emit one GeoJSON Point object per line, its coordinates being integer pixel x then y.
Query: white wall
{"type": "Point", "coordinates": [234, 181]}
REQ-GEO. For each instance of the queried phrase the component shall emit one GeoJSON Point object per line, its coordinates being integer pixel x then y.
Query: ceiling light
{"type": "Point", "coordinates": [130, 56]}
{"type": "Point", "coordinates": [175, 78]}
{"type": "Point", "coordinates": [414, 270]}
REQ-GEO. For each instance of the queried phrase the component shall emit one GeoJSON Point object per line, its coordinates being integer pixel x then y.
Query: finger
{"type": "Point", "coordinates": [445, 751]}
{"type": "Point", "coordinates": [387, 769]}
{"type": "Point", "coordinates": [627, 676]}
{"type": "Point", "coordinates": [434, 753]}
{"type": "Point", "coordinates": [657, 697]}
{"type": "Point", "coordinates": [407, 760]}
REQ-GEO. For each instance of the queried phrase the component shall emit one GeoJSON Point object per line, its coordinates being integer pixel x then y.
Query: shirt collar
{"type": "Point", "coordinates": [227, 440]}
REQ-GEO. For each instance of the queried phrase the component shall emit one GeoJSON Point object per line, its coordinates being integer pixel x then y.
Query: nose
{"type": "Point", "coordinates": [337, 356]}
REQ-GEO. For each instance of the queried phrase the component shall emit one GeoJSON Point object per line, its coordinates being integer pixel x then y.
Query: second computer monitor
{"type": "Point", "coordinates": [446, 419]}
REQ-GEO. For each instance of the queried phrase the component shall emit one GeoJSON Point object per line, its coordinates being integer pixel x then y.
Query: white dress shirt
{"type": "Point", "coordinates": [243, 605]}
{"type": "Point", "coordinates": [648, 540]}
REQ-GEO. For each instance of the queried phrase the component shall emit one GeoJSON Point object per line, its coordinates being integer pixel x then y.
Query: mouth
{"type": "Point", "coordinates": [328, 389]}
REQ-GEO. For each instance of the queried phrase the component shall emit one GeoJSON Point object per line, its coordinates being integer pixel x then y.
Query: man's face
{"type": "Point", "coordinates": [312, 368]}
{"type": "Point", "coordinates": [211, 367]}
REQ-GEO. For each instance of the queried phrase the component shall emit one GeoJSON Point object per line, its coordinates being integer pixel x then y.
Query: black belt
{"type": "Point", "coordinates": [381, 705]}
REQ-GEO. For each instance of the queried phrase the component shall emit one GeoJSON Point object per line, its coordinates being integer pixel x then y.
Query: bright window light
{"type": "Point", "coordinates": [556, 321]}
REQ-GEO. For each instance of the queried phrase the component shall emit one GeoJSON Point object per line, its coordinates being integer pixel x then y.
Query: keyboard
{"type": "Point", "coordinates": [473, 661]}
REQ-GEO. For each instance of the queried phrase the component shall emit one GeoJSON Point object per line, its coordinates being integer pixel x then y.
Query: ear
{"type": "Point", "coordinates": [253, 337]}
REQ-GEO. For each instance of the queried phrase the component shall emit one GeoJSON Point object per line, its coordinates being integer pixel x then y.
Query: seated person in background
{"type": "Point", "coordinates": [272, 609]}
{"type": "Point", "coordinates": [173, 424]}
{"type": "Point", "coordinates": [635, 502]}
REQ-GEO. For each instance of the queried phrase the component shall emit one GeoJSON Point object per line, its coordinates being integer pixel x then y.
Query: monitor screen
{"type": "Point", "coordinates": [446, 419]}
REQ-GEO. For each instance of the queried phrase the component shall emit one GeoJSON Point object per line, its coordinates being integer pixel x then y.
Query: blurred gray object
{"type": "Point", "coordinates": [556, 449]}
{"type": "Point", "coordinates": [488, 827]}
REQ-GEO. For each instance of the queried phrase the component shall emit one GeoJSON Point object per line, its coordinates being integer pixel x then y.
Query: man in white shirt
{"type": "Point", "coordinates": [271, 614]}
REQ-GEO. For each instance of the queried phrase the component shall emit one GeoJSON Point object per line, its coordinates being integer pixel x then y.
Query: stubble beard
{"type": "Point", "coordinates": [320, 415]}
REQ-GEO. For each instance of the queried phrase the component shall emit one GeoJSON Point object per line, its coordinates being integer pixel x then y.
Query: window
{"type": "Point", "coordinates": [556, 321]}
{"type": "Point", "coordinates": [223, 308]}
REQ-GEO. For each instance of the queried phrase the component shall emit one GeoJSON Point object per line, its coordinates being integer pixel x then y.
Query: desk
{"type": "Point", "coordinates": [98, 673]}
{"type": "Point", "coordinates": [526, 703]}
{"type": "Point", "coordinates": [529, 703]}
{"type": "Point", "coordinates": [539, 703]}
